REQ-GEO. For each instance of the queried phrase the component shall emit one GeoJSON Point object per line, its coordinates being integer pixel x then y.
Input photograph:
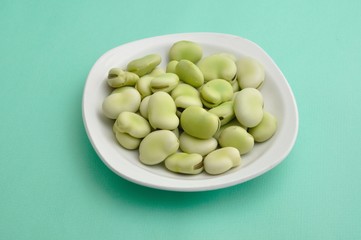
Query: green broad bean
{"type": "Point", "coordinates": [165, 82]}
{"type": "Point", "coordinates": [121, 100]}
{"type": "Point", "coordinates": [215, 92]}
{"type": "Point", "coordinates": [156, 72]}
{"type": "Point", "coordinates": [233, 122]}
{"type": "Point", "coordinates": [250, 73]}
{"type": "Point", "coordinates": [189, 144]}
{"type": "Point", "coordinates": [162, 111]}
{"type": "Point", "coordinates": [187, 50]}
{"type": "Point", "coordinates": [186, 163]}
{"type": "Point", "coordinates": [119, 78]}
{"type": "Point", "coordinates": [189, 73]}
{"type": "Point", "coordinates": [171, 66]}
{"type": "Point", "coordinates": [143, 85]}
{"type": "Point", "coordinates": [183, 89]}
{"type": "Point", "coordinates": [127, 141]}
{"type": "Point", "coordinates": [157, 146]}
{"type": "Point", "coordinates": [237, 137]}
{"type": "Point", "coordinates": [144, 65]}
{"type": "Point", "coordinates": [248, 107]}
{"type": "Point", "coordinates": [199, 123]}
{"type": "Point", "coordinates": [218, 66]}
{"type": "Point", "coordinates": [132, 124]}
{"type": "Point", "coordinates": [265, 129]}
{"type": "Point", "coordinates": [221, 160]}
{"type": "Point", "coordinates": [143, 108]}
{"type": "Point", "coordinates": [235, 85]}
{"type": "Point", "coordinates": [185, 95]}
{"type": "Point", "coordinates": [224, 111]}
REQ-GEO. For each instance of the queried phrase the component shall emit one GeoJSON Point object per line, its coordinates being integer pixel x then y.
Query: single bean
{"type": "Point", "coordinates": [224, 111]}
{"type": "Point", "coordinates": [162, 111]}
{"type": "Point", "coordinates": [144, 65]}
{"type": "Point", "coordinates": [157, 146]}
{"type": "Point", "coordinates": [189, 73]}
{"type": "Point", "coordinates": [217, 66]}
{"type": "Point", "coordinates": [183, 89]}
{"type": "Point", "coordinates": [143, 108]}
{"type": "Point", "coordinates": [233, 122]}
{"type": "Point", "coordinates": [237, 137]}
{"type": "Point", "coordinates": [189, 144]}
{"type": "Point", "coordinates": [250, 73]}
{"type": "Point", "coordinates": [165, 82]}
{"type": "Point", "coordinates": [120, 100]}
{"type": "Point", "coordinates": [215, 92]}
{"type": "Point", "coordinates": [127, 141]}
{"type": "Point", "coordinates": [185, 95]}
{"type": "Point", "coordinates": [221, 160]}
{"type": "Point", "coordinates": [265, 129]}
{"type": "Point", "coordinates": [171, 66]}
{"type": "Point", "coordinates": [235, 85]}
{"type": "Point", "coordinates": [186, 50]}
{"type": "Point", "coordinates": [248, 107]}
{"type": "Point", "coordinates": [133, 124]}
{"type": "Point", "coordinates": [156, 72]}
{"type": "Point", "coordinates": [143, 85]}
{"type": "Point", "coordinates": [184, 163]}
{"type": "Point", "coordinates": [119, 78]}
{"type": "Point", "coordinates": [199, 123]}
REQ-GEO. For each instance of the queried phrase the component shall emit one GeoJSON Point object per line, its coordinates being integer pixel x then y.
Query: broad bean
{"type": "Point", "coordinates": [144, 65]}
{"type": "Point", "coordinates": [250, 73]}
{"type": "Point", "coordinates": [162, 111]}
{"type": "Point", "coordinates": [199, 123]}
{"type": "Point", "coordinates": [235, 85]}
{"type": "Point", "coordinates": [156, 72]}
{"type": "Point", "coordinates": [218, 66]}
{"type": "Point", "coordinates": [221, 160]}
{"type": "Point", "coordinates": [119, 78]}
{"type": "Point", "coordinates": [143, 108]}
{"type": "Point", "coordinates": [189, 144]}
{"type": "Point", "coordinates": [143, 85]}
{"type": "Point", "coordinates": [186, 163]}
{"type": "Point", "coordinates": [215, 92]}
{"type": "Point", "coordinates": [132, 124]}
{"type": "Point", "coordinates": [165, 82]}
{"type": "Point", "coordinates": [248, 107]}
{"type": "Point", "coordinates": [185, 95]}
{"type": "Point", "coordinates": [186, 50]}
{"type": "Point", "coordinates": [157, 146]}
{"type": "Point", "coordinates": [265, 129]}
{"type": "Point", "coordinates": [233, 122]}
{"type": "Point", "coordinates": [224, 111]}
{"type": "Point", "coordinates": [237, 137]}
{"type": "Point", "coordinates": [171, 66]}
{"type": "Point", "coordinates": [127, 141]}
{"type": "Point", "coordinates": [120, 100]}
{"type": "Point", "coordinates": [189, 73]}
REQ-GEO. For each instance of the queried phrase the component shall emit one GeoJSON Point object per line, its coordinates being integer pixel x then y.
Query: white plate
{"type": "Point", "coordinates": [278, 99]}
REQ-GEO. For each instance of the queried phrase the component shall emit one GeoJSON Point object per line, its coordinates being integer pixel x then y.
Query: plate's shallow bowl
{"type": "Point", "coordinates": [278, 99]}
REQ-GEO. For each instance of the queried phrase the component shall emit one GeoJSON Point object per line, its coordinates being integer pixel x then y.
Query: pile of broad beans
{"type": "Point", "coordinates": [199, 114]}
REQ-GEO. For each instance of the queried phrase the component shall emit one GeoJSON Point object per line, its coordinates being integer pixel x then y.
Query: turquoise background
{"type": "Point", "coordinates": [54, 186]}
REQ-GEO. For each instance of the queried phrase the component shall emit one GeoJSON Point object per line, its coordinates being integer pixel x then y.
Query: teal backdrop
{"type": "Point", "coordinates": [54, 186]}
